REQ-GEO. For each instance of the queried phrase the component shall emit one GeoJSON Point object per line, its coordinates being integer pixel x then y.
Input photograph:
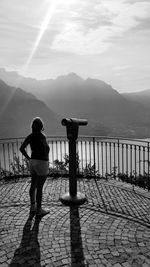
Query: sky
{"type": "Point", "coordinates": [101, 39]}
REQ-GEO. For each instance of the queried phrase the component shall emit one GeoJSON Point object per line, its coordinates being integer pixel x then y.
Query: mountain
{"type": "Point", "coordinates": [18, 108]}
{"type": "Point", "coordinates": [142, 97]}
{"type": "Point", "coordinates": [36, 87]}
{"type": "Point", "coordinates": [107, 111]}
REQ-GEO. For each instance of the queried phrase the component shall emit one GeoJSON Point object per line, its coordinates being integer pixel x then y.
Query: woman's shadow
{"type": "Point", "coordinates": [28, 253]}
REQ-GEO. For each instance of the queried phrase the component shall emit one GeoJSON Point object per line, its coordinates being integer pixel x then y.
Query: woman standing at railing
{"type": "Point", "coordinates": [38, 163]}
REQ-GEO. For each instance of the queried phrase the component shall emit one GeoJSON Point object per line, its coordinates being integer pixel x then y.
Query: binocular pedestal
{"type": "Point", "coordinates": [69, 200]}
{"type": "Point", "coordinates": [73, 197]}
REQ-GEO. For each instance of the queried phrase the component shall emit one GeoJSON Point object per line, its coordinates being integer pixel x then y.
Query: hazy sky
{"type": "Point", "coordinates": [103, 39]}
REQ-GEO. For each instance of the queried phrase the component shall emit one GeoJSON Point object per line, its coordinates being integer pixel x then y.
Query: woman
{"type": "Point", "coordinates": [38, 164]}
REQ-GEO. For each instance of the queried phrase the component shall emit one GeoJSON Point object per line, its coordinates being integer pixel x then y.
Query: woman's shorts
{"type": "Point", "coordinates": [38, 167]}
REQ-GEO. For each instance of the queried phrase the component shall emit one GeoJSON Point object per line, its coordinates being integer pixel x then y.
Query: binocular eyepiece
{"type": "Point", "coordinates": [73, 121]}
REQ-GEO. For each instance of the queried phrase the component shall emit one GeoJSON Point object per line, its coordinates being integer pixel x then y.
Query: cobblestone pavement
{"type": "Point", "coordinates": [111, 229]}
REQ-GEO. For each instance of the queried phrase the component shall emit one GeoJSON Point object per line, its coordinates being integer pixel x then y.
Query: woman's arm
{"type": "Point", "coordinates": [23, 149]}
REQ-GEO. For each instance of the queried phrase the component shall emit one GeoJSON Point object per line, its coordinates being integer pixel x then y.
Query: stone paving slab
{"type": "Point", "coordinates": [111, 229]}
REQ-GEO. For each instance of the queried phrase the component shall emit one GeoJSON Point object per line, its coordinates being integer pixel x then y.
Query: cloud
{"type": "Point", "coordinates": [92, 26]}
{"type": "Point", "coordinates": [77, 26]}
{"type": "Point", "coordinates": [84, 36]}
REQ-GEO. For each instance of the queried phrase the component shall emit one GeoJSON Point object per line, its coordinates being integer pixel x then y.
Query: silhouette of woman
{"type": "Point", "coordinates": [38, 163]}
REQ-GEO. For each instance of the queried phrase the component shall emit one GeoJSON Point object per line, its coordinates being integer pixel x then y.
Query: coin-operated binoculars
{"type": "Point", "coordinates": [72, 127]}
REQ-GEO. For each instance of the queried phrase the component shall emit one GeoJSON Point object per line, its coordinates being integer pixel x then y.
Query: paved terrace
{"type": "Point", "coordinates": [111, 229]}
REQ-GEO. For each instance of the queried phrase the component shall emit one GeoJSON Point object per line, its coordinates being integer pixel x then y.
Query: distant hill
{"type": "Point", "coordinates": [18, 108]}
{"type": "Point", "coordinates": [142, 97]}
{"type": "Point", "coordinates": [108, 112]}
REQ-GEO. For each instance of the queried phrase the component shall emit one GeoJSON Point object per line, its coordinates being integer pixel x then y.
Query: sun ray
{"type": "Point", "coordinates": [43, 28]}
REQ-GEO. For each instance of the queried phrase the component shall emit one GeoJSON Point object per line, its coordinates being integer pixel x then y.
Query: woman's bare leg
{"type": "Point", "coordinates": [40, 183]}
{"type": "Point", "coordinates": [32, 190]}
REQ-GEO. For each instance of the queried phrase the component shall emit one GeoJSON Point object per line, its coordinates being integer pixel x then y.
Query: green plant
{"type": "Point", "coordinates": [5, 173]}
{"type": "Point", "coordinates": [62, 167]}
{"type": "Point", "coordinates": [134, 179]}
{"type": "Point", "coordinates": [19, 168]}
{"type": "Point", "coordinates": [90, 171]}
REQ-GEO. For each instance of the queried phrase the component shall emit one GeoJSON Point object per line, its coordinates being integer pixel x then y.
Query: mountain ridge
{"type": "Point", "coordinates": [18, 108]}
{"type": "Point", "coordinates": [108, 111]}
{"type": "Point", "coordinates": [142, 97]}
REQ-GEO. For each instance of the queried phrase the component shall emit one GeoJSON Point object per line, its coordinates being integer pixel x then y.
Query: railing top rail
{"type": "Point", "coordinates": [120, 138]}
{"type": "Point", "coordinates": [103, 138]}
{"type": "Point", "coordinates": [23, 137]}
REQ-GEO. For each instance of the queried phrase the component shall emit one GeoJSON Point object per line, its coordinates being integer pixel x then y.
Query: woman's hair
{"type": "Point", "coordinates": [37, 124]}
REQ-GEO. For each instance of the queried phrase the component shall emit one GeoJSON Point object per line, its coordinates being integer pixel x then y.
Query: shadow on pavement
{"type": "Point", "coordinates": [28, 253]}
{"type": "Point", "coordinates": [77, 255]}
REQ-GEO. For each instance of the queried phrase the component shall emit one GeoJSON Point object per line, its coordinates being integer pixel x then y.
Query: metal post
{"type": "Point", "coordinates": [72, 168]}
{"type": "Point", "coordinates": [73, 197]}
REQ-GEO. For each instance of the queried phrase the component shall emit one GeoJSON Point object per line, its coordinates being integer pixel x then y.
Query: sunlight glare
{"type": "Point", "coordinates": [43, 28]}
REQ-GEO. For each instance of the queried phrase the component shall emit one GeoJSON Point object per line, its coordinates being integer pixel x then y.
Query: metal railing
{"type": "Point", "coordinates": [97, 156]}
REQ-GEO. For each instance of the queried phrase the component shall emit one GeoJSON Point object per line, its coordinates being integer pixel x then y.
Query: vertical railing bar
{"type": "Point", "coordinates": [0, 159]}
{"type": "Point", "coordinates": [49, 153]}
{"type": "Point", "coordinates": [22, 160]}
{"type": "Point", "coordinates": [86, 154]}
{"type": "Point", "coordinates": [83, 151]}
{"type": "Point", "coordinates": [143, 160]}
{"type": "Point", "coordinates": [114, 161]}
{"type": "Point", "coordinates": [110, 158]}
{"type": "Point", "coordinates": [57, 157]}
{"type": "Point", "coordinates": [61, 150]}
{"type": "Point", "coordinates": [127, 170]}
{"type": "Point", "coordinates": [65, 146]}
{"type": "Point", "coordinates": [8, 150]}
{"type": "Point", "coordinates": [135, 148]}
{"type": "Point", "coordinates": [13, 151]}
{"type": "Point", "coordinates": [90, 152]}
{"type": "Point", "coordinates": [66, 149]}
{"type": "Point", "coordinates": [17, 148]}
{"type": "Point", "coordinates": [77, 157]}
{"type": "Point", "coordinates": [102, 159]}
{"type": "Point", "coordinates": [139, 159]}
{"type": "Point", "coordinates": [131, 162]}
{"type": "Point", "coordinates": [94, 156]}
{"type": "Point", "coordinates": [98, 159]}
{"type": "Point", "coordinates": [78, 148]}
{"type": "Point", "coordinates": [4, 157]}
{"type": "Point", "coordinates": [11, 159]}
{"type": "Point", "coordinates": [56, 149]}
{"type": "Point", "coordinates": [52, 144]}
{"type": "Point", "coordinates": [17, 143]}
{"type": "Point", "coordinates": [106, 157]}
{"type": "Point", "coordinates": [61, 157]}
{"type": "Point", "coordinates": [118, 157]}
{"type": "Point", "coordinates": [148, 169]}
{"type": "Point", "coordinates": [122, 158]}
{"type": "Point", "coordinates": [82, 156]}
